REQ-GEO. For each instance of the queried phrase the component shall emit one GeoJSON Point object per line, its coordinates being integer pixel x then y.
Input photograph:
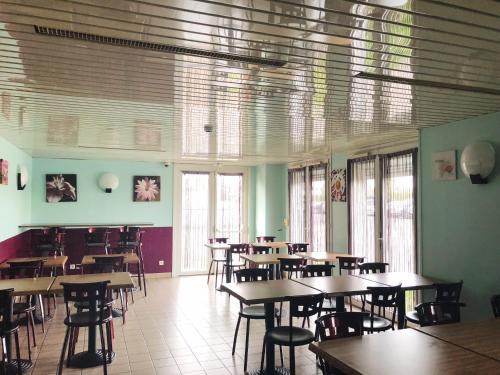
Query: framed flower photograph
{"type": "Point", "coordinates": [147, 188]}
{"type": "Point", "coordinates": [444, 166]}
{"type": "Point", "coordinates": [338, 185]}
{"type": "Point", "coordinates": [60, 188]}
{"type": "Point", "coordinates": [4, 172]}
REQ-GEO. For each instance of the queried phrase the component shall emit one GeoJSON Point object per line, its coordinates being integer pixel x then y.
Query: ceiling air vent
{"type": "Point", "coordinates": [49, 31]}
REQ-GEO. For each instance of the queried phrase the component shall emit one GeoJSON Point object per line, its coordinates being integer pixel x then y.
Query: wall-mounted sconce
{"type": "Point", "coordinates": [108, 182]}
{"type": "Point", "coordinates": [22, 177]}
{"type": "Point", "coordinates": [477, 161]}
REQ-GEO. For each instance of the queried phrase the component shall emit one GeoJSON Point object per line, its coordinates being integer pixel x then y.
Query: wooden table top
{"type": "Point", "coordinates": [267, 258]}
{"type": "Point", "coordinates": [217, 246]}
{"type": "Point", "coordinates": [117, 280]}
{"type": "Point", "coordinates": [129, 258]}
{"type": "Point", "coordinates": [406, 351]}
{"type": "Point", "coordinates": [267, 291]}
{"type": "Point", "coordinates": [482, 337]}
{"type": "Point", "coordinates": [407, 280]}
{"type": "Point", "coordinates": [321, 256]}
{"type": "Point", "coordinates": [343, 285]}
{"type": "Point", "coordinates": [50, 262]}
{"type": "Point", "coordinates": [273, 245]}
{"type": "Point", "coordinates": [28, 286]}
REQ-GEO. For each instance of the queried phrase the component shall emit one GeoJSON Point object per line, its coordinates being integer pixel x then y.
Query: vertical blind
{"type": "Point", "coordinates": [297, 204]}
{"type": "Point", "coordinates": [229, 205]}
{"type": "Point", "coordinates": [399, 181]}
{"type": "Point", "coordinates": [318, 207]}
{"type": "Point", "coordinates": [362, 208]}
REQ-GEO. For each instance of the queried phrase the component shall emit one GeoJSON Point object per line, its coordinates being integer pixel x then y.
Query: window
{"type": "Point", "coordinates": [382, 202]}
{"type": "Point", "coordinates": [307, 205]}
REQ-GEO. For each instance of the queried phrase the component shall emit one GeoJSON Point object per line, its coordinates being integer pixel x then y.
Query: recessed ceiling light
{"type": "Point", "coordinates": [389, 3]}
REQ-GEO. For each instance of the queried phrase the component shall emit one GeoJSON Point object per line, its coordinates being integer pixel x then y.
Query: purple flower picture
{"type": "Point", "coordinates": [60, 188]}
{"type": "Point", "coordinates": [146, 188]}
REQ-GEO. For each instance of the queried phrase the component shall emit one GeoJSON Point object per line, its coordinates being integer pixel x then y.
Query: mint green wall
{"type": "Point", "coordinates": [15, 205]}
{"type": "Point", "coordinates": [338, 213]}
{"type": "Point", "coordinates": [93, 204]}
{"type": "Point", "coordinates": [271, 200]}
{"type": "Point", "coordinates": [251, 203]}
{"type": "Point", "coordinates": [460, 236]}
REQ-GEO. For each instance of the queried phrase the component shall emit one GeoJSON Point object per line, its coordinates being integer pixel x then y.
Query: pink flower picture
{"type": "Point", "coordinates": [146, 188]}
{"type": "Point", "coordinates": [60, 188]}
{"type": "Point", "coordinates": [4, 172]}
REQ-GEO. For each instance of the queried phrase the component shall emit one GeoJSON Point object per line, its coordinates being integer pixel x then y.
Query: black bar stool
{"type": "Point", "coordinates": [97, 241]}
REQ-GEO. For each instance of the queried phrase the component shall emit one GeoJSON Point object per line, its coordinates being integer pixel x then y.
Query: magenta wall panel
{"type": "Point", "coordinates": [157, 245]}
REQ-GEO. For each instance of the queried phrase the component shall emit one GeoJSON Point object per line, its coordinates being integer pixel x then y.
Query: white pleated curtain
{"type": "Point", "coordinates": [362, 208]}
{"type": "Point", "coordinates": [318, 207]}
{"type": "Point", "coordinates": [399, 181]}
{"type": "Point", "coordinates": [229, 206]}
{"type": "Point", "coordinates": [297, 204]}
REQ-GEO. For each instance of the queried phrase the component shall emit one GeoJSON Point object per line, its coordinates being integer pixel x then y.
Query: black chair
{"type": "Point", "coordinates": [216, 257]}
{"type": "Point", "coordinates": [8, 327]}
{"type": "Point", "coordinates": [289, 266]}
{"type": "Point", "coordinates": [235, 252]}
{"type": "Point", "coordinates": [445, 292]}
{"type": "Point", "coordinates": [97, 241]}
{"type": "Point", "coordinates": [49, 242]}
{"type": "Point", "coordinates": [297, 248]}
{"type": "Point", "coordinates": [495, 305]}
{"type": "Point", "coordinates": [321, 270]}
{"type": "Point", "coordinates": [371, 267]}
{"type": "Point", "coordinates": [349, 264]}
{"type": "Point", "coordinates": [292, 336]}
{"type": "Point", "coordinates": [131, 240]}
{"type": "Point", "coordinates": [383, 298]}
{"type": "Point", "coordinates": [107, 265]}
{"type": "Point", "coordinates": [265, 238]}
{"type": "Point", "coordinates": [26, 306]}
{"type": "Point", "coordinates": [94, 295]}
{"type": "Point", "coordinates": [335, 326]}
{"type": "Point", "coordinates": [252, 311]}
{"type": "Point", "coordinates": [261, 249]}
{"type": "Point", "coordinates": [438, 313]}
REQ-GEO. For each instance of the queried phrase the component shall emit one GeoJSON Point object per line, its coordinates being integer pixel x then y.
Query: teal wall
{"type": "Point", "coordinates": [15, 205]}
{"type": "Point", "coordinates": [251, 203]}
{"type": "Point", "coordinates": [338, 213]}
{"type": "Point", "coordinates": [271, 200]}
{"type": "Point", "coordinates": [460, 236]}
{"type": "Point", "coordinates": [94, 205]}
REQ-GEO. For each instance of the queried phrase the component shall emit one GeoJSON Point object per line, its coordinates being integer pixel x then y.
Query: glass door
{"type": "Point", "coordinates": [207, 203]}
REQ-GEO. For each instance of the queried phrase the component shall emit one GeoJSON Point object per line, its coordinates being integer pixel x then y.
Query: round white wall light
{"type": "Point", "coordinates": [108, 182]}
{"type": "Point", "coordinates": [477, 161]}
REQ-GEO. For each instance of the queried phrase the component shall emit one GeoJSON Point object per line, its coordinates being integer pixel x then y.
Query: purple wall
{"type": "Point", "coordinates": [157, 245]}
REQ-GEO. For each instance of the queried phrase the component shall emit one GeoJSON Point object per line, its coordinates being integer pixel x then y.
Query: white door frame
{"type": "Point", "coordinates": [177, 205]}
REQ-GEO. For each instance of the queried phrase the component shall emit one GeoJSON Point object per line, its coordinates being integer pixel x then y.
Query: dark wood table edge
{"type": "Point", "coordinates": [345, 368]}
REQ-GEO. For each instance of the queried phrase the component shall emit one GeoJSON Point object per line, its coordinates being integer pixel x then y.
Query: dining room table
{"type": "Point", "coordinates": [321, 256]}
{"type": "Point", "coordinates": [268, 292]}
{"type": "Point", "coordinates": [117, 280]}
{"type": "Point", "coordinates": [479, 336]}
{"type": "Point", "coordinates": [271, 260]}
{"type": "Point", "coordinates": [407, 351]}
{"type": "Point", "coordinates": [24, 287]}
{"type": "Point", "coordinates": [409, 281]}
{"type": "Point", "coordinates": [50, 262]}
{"type": "Point", "coordinates": [275, 245]}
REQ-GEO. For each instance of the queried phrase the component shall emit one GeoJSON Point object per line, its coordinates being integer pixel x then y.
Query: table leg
{"type": "Point", "coordinates": [229, 258]}
{"type": "Point", "coordinates": [401, 309]}
{"type": "Point", "coordinates": [339, 302]}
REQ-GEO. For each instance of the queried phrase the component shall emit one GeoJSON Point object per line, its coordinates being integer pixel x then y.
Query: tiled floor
{"type": "Point", "coordinates": [183, 327]}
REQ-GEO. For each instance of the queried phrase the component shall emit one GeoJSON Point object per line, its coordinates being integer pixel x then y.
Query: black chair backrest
{"type": "Point", "coordinates": [265, 238]}
{"type": "Point", "coordinates": [448, 292]}
{"type": "Point", "coordinates": [100, 236]}
{"type": "Point", "coordinates": [131, 236]}
{"type": "Point", "coordinates": [373, 267]}
{"type": "Point", "coordinates": [291, 265]}
{"type": "Point", "coordinates": [261, 249]}
{"type": "Point", "coordinates": [495, 305]}
{"type": "Point", "coordinates": [107, 264]}
{"type": "Point", "coordinates": [297, 248]}
{"type": "Point", "coordinates": [315, 270]}
{"type": "Point", "coordinates": [218, 240]}
{"type": "Point", "coordinates": [239, 248]}
{"type": "Point", "coordinates": [92, 295]}
{"type": "Point", "coordinates": [349, 263]}
{"type": "Point", "coordinates": [303, 307]}
{"type": "Point", "coordinates": [6, 308]}
{"type": "Point", "coordinates": [28, 269]}
{"type": "Point", "coordinates": [252, 274]}
{"type": "Point", "coordinates": [384, 296]}
{"type": "Point", "coordinates": [340, 324]}
{"type": "Point", "coordinates": [437, 313]}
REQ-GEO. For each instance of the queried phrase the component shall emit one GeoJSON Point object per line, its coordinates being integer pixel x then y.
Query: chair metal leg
{"type": "Point", "coordinates": [63, 352]}
{"type": "Point", "coordinates": [18, 353]}
{"type": "Point", "coordinates": [4, 356]}
{"type": "Point", "coordinates": [104, 352]}
{"type": "Point", "coordinates": [28, 335]}
{"type": "Point", "coordinates": [123, 305]}
{"type": "Point", "coordinates": [263, 355]}
{"type": "Point", "coordinates": [292, 360]}
{"type": "Point", "coordinates": [42, 312]}
{"type": "Point", "coordinates": [247, 336]}
{"type": "Point", "coordinates": [216, 273]}
{"type": "Point", "coordinates": [210, 270]}
{"type": "Point", "coordinates": [236, 333]}
{"type": "Point", "coordinates": [32, 323]}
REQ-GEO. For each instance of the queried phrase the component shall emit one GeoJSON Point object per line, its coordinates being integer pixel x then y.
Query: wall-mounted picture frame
{"type": "Point", "coordinates": [147, 189]}
{"type": "Point", "coordinates": [338, 185]}
{"type": "Point", "coordinates": [4, 172]}
{"type": "Point", "coordinates": [444, 166]}
{"type": "Point", "coordinates": [60, 188]}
